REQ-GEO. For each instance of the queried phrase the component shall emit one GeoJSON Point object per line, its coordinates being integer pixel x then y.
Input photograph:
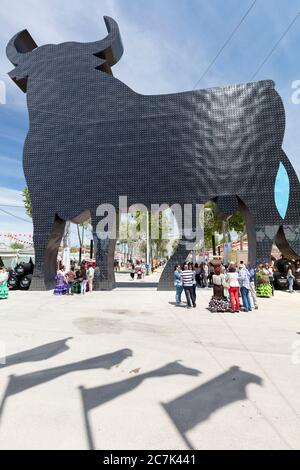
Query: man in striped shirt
{"type": "Point", "coordinates": [187, 277]}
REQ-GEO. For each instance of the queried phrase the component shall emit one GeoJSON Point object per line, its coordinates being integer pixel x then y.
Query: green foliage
{"type": "Point", "coordinates": [133, 232]}
{"type": "Point", "coordinates": [236, 222]}
{"type": "Point", "coordinates": [160, 226]}
{"type": "Point", "coordinates": [27, 201]}
{"type": "Point", "coordinates": [143, 247]}
{"type": "Point", "coordinates": [175, 245]}
{"type": "Point", "coordinates": [214, 224]}
{"type": "Point", "coordinates": [17, 246]}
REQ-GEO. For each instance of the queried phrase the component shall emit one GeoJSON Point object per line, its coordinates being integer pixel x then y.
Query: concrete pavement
{"type": "Point", "coordinates": [128, 370]}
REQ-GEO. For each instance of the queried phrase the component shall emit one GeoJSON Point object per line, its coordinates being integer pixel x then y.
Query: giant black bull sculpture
{"type": "Point", "coordinates": [92, 138]}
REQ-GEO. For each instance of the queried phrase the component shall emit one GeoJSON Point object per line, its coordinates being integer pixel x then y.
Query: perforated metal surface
{"type": "Point", "coordinates": [92, 139]}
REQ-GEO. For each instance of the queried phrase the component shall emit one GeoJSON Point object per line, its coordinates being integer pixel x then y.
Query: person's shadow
{"type": "Point", "coordinates": [40, 353]}
{"type": "Point", "coordinates": [182, 305]}
{"type": "Point", "coordinates": [97, 396]}
{"type": "Point", "coordinates": [20, 383]}
{"type": "Point", "coordinates": [199, 404]}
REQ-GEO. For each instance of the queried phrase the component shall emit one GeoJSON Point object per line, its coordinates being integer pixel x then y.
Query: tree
{"type": "Point", "coordinates": [27, 201]}
{"type": "Point", "coordinates": [84, 227]}
{"type": "Point", "coordinates": [133, 233]}
{"type": "Point", "coordinates": [17, 246]}
{"type": "Point", "coordinates": [175, 245]}
{"type": "Point", "coordinates": [237, 222]}
{"type": "Point", "coordinates": [159, 220]}
{"type": "Point", "coordinates": [214, 223]}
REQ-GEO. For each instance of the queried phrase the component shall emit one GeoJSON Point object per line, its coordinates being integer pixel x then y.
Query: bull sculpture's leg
{"type": "Point", "coordinates": [48, 231]}
{"type": "Point", "coordinates": [180, 255]}
{"type": "Point", "coordinates": [104, 253]}
{"type": "Point", "coordinates": [288, 241]}
{"type": "Point", "coordinates": [290, 247]}
{"type": "Point", "coordinates": [283, 221]}
{"type": "Point", "coordinates": [166, 281]}
{"type": "Point", "coordinates": [260, 241]}
{"type": "Point", "coordinates": [289, 235]}
{"type": "Point", "coordinates": [260, 236]}
{"type": "Point", "coordinates": [275, 220]}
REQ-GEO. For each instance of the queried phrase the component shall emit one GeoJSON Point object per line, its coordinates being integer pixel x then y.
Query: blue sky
{"type": "Point", "coordinates": [168, 44]}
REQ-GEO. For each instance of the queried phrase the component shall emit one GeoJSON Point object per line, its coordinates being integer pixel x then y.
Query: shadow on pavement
{"type": "Point", "coordinates": [196, 406]}
{"type": "Point", "coordinates": [97, 396]}
{"type": "Point", "coordinates": [40, 353]}
{"type": "Point", "coordinates": [182, 305]}
{"type": "Point", "coordinates": [20, 383]}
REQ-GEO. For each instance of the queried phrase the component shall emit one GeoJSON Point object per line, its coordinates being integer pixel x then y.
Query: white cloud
{"type": "Point", "coordinates": [11, 167]}
{"type": "Point", "coordinates": [11, 202]}
{"type": "Point", "coordinates": [13, 219]}
{"type": "Point", "coordinates": [11, 197]}
{"type": "Point", "coordinates": [48, 22]}
{"type": "Point", "coordinates": [156, 58]}
{"type": "Point", "coordinates": [154, 61]}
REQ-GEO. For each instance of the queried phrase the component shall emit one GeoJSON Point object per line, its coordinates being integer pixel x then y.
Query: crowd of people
{"type": "Point", "coordinates": [137, 270]}
{"type": "Point", "coordinates": [229, 282]}
{"type": "Point", "coordinates": [78, 280]}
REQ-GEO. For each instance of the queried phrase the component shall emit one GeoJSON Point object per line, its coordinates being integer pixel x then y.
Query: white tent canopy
{"type": "Point", "coordinates": [12, 257]}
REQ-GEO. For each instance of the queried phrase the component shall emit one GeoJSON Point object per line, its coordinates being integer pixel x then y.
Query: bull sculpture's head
{"type": "Point", "coordinates": [23, 52]}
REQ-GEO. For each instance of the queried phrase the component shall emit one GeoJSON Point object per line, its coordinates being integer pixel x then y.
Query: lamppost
{"type": "Point", "coordinates": [147, 241]}
{"type": "Point", "coordinates": [66, 246]}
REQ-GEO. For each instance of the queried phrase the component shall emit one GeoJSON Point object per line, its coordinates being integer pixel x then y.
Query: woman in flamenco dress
{"type": "Point", "coordinates": [3, 283]}
{"type": "Point", "coordinates": [61, 286]}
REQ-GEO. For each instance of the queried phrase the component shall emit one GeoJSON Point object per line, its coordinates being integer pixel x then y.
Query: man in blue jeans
{"type": "Point", "coordinates": [178, 283]}
{"type": "Point", "coordinates": [252, 293]}
{"type": "Point", "coordinates": [244, 280]}
{"type": "Point", "coordinates": [187, 277]}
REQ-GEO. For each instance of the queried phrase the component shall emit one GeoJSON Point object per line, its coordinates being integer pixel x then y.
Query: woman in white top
{"type": "Point", "coordinates": [233, 287]}
{"type": "Point", "coordinates": [218, 303]}
{"type": "Point", "coordinates": [218, 280]}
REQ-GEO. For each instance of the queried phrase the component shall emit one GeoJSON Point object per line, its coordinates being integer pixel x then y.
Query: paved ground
{"type": "Point", "coordinates": [127, 369]}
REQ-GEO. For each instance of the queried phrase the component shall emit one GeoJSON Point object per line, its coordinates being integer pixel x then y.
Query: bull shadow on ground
{"type": "Point", "coordinates": [196, 406]}
{"type": "Point", "coordinates": [40, 353]}
{"type": "Point", "coordinates": [94, 397]}
{"type": "Point", "coordinates": [20, 383]}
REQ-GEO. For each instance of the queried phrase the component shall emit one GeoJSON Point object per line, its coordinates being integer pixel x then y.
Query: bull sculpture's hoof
{"type": "Point", "coordinates": [166, 286]}
{"type": "Point", "coordinates": [105, 284]}
{"type": "Point", "coordinates": [38, 284]}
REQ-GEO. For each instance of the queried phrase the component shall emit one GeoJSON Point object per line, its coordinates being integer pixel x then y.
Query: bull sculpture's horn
{"type": "Point", "coordinates": [111, 48]}
{"type": "Point", "coordinates": [20, 44]}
